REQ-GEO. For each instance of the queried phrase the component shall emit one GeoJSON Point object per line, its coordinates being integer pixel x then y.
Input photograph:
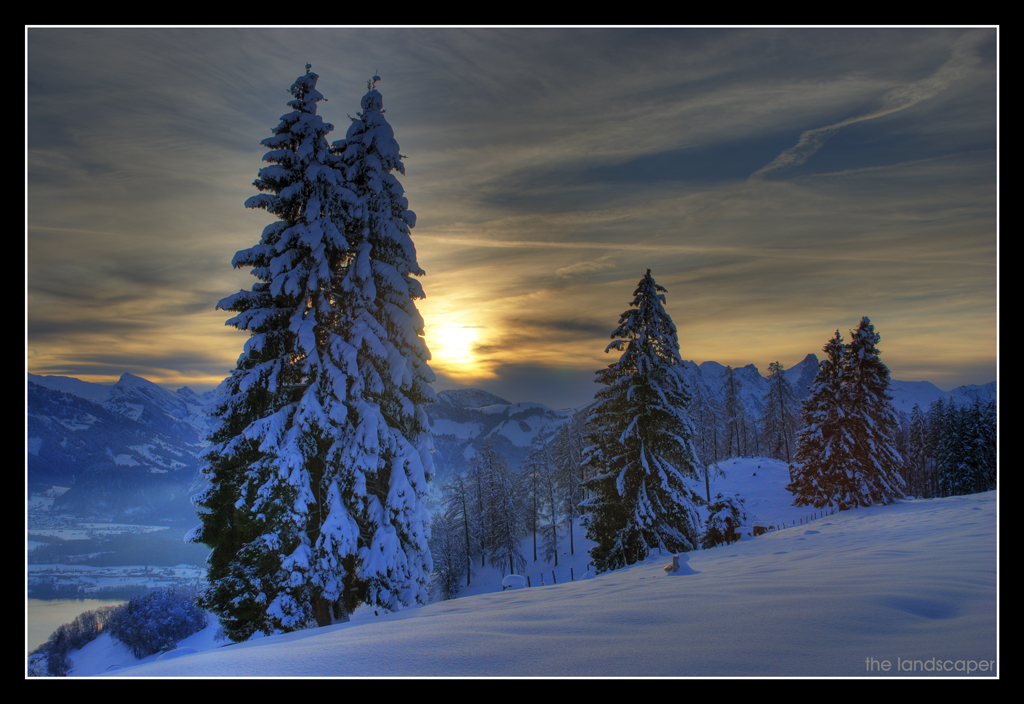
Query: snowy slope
{"type": "Point", "coordinates": [913, 581]}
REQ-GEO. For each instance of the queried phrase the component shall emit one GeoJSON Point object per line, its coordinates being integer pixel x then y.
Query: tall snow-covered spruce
{"type": "Point", "coordinates": [318, 465]}
{"type": "Point", "coordinates": [645, 481]}
{"type": "Point", "coordinates": [391, 448]}
{"type": "Point", "coordinates": [845, 453]}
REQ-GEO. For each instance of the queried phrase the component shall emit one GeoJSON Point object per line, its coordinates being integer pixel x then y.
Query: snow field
{"type": "Point", "coordinates": [908, 583]}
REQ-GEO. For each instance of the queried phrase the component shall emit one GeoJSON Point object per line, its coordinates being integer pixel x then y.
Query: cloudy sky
{"type": "Point", "coordinates": [780, 183]}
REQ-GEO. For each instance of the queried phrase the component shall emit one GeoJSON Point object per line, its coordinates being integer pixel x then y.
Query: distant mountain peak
{"type": "Point", "coordinates": [471, 398]}
{"type": "Point", "coordinates": [128, 377]}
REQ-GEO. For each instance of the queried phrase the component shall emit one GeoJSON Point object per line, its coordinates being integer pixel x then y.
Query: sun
{"type": "Point", "coordinates": [454, 344]}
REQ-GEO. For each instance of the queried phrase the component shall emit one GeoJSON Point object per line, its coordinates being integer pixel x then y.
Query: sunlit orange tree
{"type": "Point", "coordinates": [846, 456]}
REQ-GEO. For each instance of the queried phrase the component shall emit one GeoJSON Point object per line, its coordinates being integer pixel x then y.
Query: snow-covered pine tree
{"type": "Point", "coordinates": [459, 510]}
{"type": "Point", "coordinates": [915, 462]}
{"type": "Point", "coordinates": [704, 411]}
{"type": "Point", "coordinates": [988, 445]}
{"type": "Point", "coordinates": [820, 456]}
{"type": "Point", "coordinates": [779, 416]}
{"type": "Point", "coordinates": [508, 503]}
{"type": "Point", "coordinates": [478, 483]}
{"type": "Point", "coordinates": [725, 514]}
{"type": "Point", "coordinates": [536, 471]}
{"type": "Point", "coordinates": [314, 489]}
{"type": "Point", "coordinates": [552, 521]}
{"type": "Point", "coordinates": [869, 419]}
{"type": "Point", "coordinates": [567, 455]}
{"type": "Point", "coordinates": [846, 456]}
{"type": "Point", "coordinates": [952, 453]}
{"type": "Point", "coordinates": [447, 550]}
{"type": "Point", "coordinates": [935, 435]}
{"type": "Point", "coordinates": [734, 414]}
{"type": "Point", "coordinates": [543, 490]}
{"type": "Point", "coordinates": [974, 427]}
{"type": "Point", "coordinates": [644, 488]}
{"type": "Point", "coordinates": [388, 456]}
{"type": "Point", "coordinates": [280, 408]}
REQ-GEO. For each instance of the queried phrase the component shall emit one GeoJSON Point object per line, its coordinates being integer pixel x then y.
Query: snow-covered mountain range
{"type": "Point", "coordinates": [130, 451]}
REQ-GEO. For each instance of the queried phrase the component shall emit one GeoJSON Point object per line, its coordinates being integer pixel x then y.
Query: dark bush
{"type": "Point", "coordinates": [157, 620]}
{"type": "Point", "coordinates": [724, 513]}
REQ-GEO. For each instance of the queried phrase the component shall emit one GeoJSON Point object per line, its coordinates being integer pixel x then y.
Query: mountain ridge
{"type": "Point", "coordinates": [110, 442]}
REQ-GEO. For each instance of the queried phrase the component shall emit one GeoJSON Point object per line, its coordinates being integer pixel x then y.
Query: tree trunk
{"type": "Point", "coordinates": [322, 612]}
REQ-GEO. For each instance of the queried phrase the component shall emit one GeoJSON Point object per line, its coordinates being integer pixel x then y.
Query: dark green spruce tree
{"type": "Point", "coordinates": [644, 488]}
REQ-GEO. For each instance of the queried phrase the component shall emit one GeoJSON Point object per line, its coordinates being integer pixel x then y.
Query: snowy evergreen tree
{"type": "Point", "coordinates": [478, 481]}
{"type": "Point", "coordinates": [537, 474]}
{"type": "Point", "coordinates": [989, 446]}
{"type": "Point", "coordinates": [570, 468]}
{"type": "Point", "coordinates": [705, 413]}
{"type": "Point", "coordinates": [964, 447]}
{"type": "Point", "coordinates": [459, 511]}
{"type": "Point", "coordinates": [498, 500]}
{"type": "Point", "coordinates": [544, 512]}
{"type": "Point", "coordinates": [935, 436]}
{"type": "Point", "coordinates": [734, 414]}
{"type": "Point", "coordinates": [726, 513]}
{"type": "Point", "coordinates": [779, 416]}
{"type": "Point", "coordinates": [391, 445]}
{"type": "Point", "coordinates": [915, 462]}
{"type": "Point", "coordinates": [551, 529]}
{"type": "Point", "coordinates": [820, 457]}
{"type": "Point", "coordinates": [846, 456]}
{"type": "Point", "coordinates": [318, 464]}
{"type": "Point", "coordinates": [954, 453]}
{"type": "Point", "coordinates": [644, 488]}
{"type": "Point", "coordinates": [871, 422]}
{"type": "Point", "coordinates": [508, 526]}
{"type": "Point", "coordinates": [447, 549]}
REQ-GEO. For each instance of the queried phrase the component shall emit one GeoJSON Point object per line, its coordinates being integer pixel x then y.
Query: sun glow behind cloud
{"type": "Point", "coordinates": [452, 351]}
{"type": "Point", "coordinates": [534, 233]}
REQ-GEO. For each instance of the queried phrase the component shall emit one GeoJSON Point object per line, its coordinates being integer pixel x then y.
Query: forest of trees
{"type": "Point", "coordinates": [945, 450]}
{"type": "Point", "coordinates": [948, 450]}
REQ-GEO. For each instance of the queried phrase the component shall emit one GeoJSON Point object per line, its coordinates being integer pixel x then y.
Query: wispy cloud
{"type": "Point", "coordinates": [548, 169]}
{"type": "Point", "coordinates": [963, 57]}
